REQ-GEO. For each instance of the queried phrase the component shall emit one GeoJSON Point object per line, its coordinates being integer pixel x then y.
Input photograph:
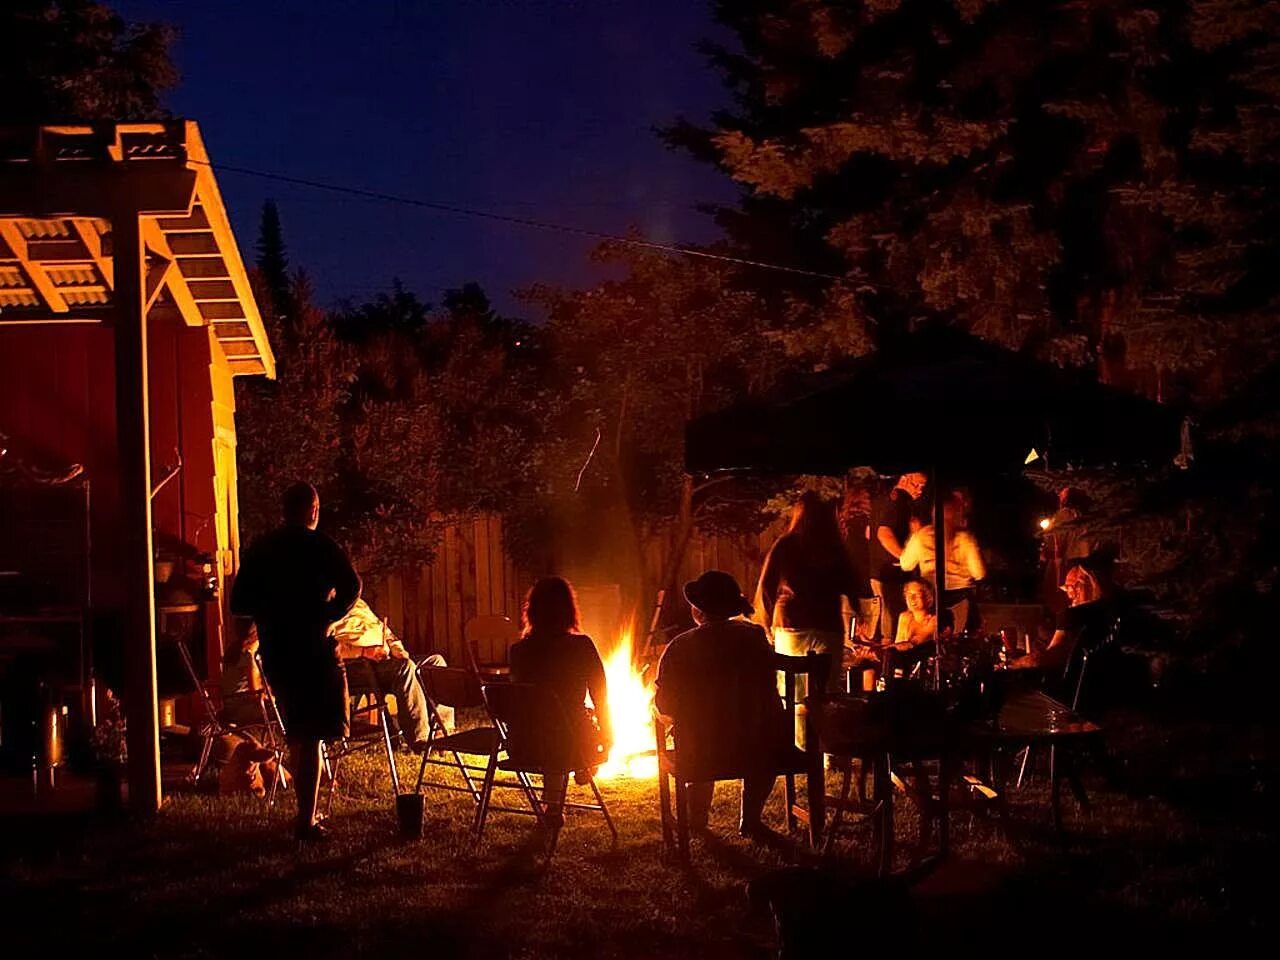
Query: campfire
{"type": "Point", "coordinates": [630, 694]}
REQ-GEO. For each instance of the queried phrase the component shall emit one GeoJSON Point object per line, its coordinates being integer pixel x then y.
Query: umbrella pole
{"type": "Point", "coordinates": [939, 573]}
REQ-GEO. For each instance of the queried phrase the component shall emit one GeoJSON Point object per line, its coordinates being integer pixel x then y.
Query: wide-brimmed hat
{"type": "Point", "coordinates": [717, 594]}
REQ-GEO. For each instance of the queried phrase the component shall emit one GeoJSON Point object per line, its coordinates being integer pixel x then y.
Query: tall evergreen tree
{"type": "Point", "coordinates": [273, 267]}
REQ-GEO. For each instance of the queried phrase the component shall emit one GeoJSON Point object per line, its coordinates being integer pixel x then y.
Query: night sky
{"type": "Point", "coordinates": [534, 108]}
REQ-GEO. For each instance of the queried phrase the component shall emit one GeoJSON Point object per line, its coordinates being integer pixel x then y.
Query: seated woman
{"type": "Point", "coordinates": [554, 654]}
{"type": "Point", "coordinates": [717, 684]}
{"type": "Point", "coordinates": [1089, 616]}
{"type": "Point", "coordinates": [917, 629]}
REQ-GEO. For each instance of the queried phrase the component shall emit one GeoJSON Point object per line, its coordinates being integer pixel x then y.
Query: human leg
{"type": "Point", "coordinates": [699, 799]}
{"type": "Point", "coordinates": [400, 679]}
{"type": "Point", "coordinates": [755, 793]}
{"type": "Point", "coordinates": [306, 763]}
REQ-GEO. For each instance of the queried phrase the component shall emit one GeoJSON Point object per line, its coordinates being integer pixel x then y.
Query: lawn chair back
{"type": "Point", "coordinates": [1088, 645]}
{"type": "Point", "coordinates": [451, 687]}
{"type": "Point", "coordinates": [536, 728]}
{"type": "Point", "coordinates": [488, 639]}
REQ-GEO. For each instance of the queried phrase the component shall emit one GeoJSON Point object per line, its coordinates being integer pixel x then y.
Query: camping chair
{"type": "Point", "coordinates": [488, 639]}
{"type": "Point", "coordinates": [814, 667]}
{"type": "Point", "coordinates": [369, 701]}
{"type": "Point", "coordinates": [458, 688]}
{"type": "Point", "coordinates": [534, 726]}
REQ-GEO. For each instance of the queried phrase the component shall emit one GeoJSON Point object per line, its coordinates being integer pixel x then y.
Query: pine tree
{"type": "Point", "coordinates": [273, 268]}
{"type": "Point", "coordinates": [1087, 177]}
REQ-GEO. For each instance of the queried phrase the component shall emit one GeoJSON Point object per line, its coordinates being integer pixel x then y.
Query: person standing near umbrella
{"type": "Point", "coordinates": [963, 564]}
{"type": "Point", "coordinates": [891, 517]}
{"type": "Point", "coordinates": [805, 576]}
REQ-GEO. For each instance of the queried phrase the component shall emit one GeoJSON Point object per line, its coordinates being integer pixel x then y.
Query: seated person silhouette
{"type": "Point", "coordinates": [553, 654]}
{"type": "Point", "coordinates": [718, 687]}
{"type": "Point", "coordinates": [368, 647]}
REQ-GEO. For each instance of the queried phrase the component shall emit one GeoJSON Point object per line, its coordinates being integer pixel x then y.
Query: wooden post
{"type": "Point", "coordinates": [939, 572]}
{"type": "Point", "coordinates": [134, 446]}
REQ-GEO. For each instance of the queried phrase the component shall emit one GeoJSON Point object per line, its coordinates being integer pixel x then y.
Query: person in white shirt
{"type": "Point", "coordinates": [964, 566]}
{"type": "Point", "coordinates": [367, 646]}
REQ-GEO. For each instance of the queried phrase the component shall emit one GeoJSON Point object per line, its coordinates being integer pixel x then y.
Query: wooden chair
{"type": "Point", "coordinates": [814, 667]}
{"type": "Point", "coordinates": [535, 728]}
{"type": "Point", "coordinates": [488, 639]}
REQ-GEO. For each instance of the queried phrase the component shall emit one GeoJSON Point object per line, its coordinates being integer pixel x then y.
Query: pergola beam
{"type": "Point", "coordinates": [154, 239]}
{"type": "Point", "coordinates": [92, 241]}
{"type": "Point", "coordinates": [36, 276]}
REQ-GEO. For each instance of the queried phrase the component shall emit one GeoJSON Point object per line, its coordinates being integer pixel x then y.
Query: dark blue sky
{"type": "Point", "coordinates": [536, 108]}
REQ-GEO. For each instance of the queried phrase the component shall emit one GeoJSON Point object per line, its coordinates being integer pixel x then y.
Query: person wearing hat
{"type": "Point", "coordinates": [717, 687]}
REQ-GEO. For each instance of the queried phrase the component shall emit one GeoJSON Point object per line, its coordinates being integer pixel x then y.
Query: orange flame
{"type": "Point", "coordinates": [630, 696]}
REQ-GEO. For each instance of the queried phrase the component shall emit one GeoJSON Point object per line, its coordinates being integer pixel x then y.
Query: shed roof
{"type": "Point", "coordinates": [60, 187]}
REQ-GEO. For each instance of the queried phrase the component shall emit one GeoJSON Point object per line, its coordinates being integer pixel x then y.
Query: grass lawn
{"type": "Point", "coordinates": [1170, 860]}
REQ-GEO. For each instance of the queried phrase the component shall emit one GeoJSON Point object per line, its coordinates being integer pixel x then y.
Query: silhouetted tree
{"type": "Point", "coordinates": [273, 265]}
{"type": "Point", "coordinates": [78, 60]}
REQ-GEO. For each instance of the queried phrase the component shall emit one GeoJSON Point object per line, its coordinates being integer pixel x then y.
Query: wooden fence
{"type": "Point", "coordinates": [472, 575]}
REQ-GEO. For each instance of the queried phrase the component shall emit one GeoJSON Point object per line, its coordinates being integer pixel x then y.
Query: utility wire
{"type": "Point", "coordinates": [442, 207]}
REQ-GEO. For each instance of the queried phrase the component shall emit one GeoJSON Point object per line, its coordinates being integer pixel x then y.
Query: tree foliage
{"type": "Point", "coordinates": [78, 60]}
{"type": "Point", "coordinates": [1087, 178]}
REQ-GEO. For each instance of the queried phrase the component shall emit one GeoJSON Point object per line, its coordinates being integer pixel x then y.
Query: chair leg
{"type": "Point", "coordinates": [206, 749]}
{"type": "Point", "coordinates": [664, 809]}
{"type": "Point", "coordinates": [1022, 769]}
{"type": "Point", "coordinates": [790, 793]}
{"type": "Point", "coordinates": [331, 765]}
{"type": "Point", "coordinates": [884, 794]}
{"type": "Point", "coordinates": [391, 751]}
{"type": "Point", "coordinates": [486, 792]}
{"type": "Point", "coordinates": [682, 818]}
{"type": "Point", "coordinates": [1055, 789]}
{"type": "Point", "coordinates": [604, 809]}
{"type": "Point", "coordinates": [845, 785]}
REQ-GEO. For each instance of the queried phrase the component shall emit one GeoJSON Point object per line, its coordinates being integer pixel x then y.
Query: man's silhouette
{"type": "Point", "coordinates": [295, 583]}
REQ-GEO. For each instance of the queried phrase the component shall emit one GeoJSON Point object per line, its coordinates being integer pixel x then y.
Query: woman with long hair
{"type": "Point", "coordinates": [805, 576]}
{"type": "Point", "coordinates": [555, 654]}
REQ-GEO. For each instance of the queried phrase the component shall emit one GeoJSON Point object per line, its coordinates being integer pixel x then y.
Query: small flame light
{"type": "Point", "coordinates": [1046, 523]}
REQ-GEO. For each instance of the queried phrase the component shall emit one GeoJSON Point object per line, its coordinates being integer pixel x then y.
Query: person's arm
{"type": "Point", "coordinates": [598, 687]}
{"type": "Point", "coordinates": [889, 540]}
{"type": "Point", "coordinates": [770, 576]}
{"type": "Point", "coordinates": [346, 584]}
{"type": "Point", "coordinates": [909, 557]}
{"type": "Point", "coordinates": [246, 592]}
{"type": "Point", "coordinates": [973, 557]}
{"type": "Point", "coordinates": [903, 633]}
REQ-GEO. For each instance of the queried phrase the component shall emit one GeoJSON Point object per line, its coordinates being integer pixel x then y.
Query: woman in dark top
{"type": "Point", "coordinates": [1087, 619]}
{"type": "Point", "coordinates": [554, 655]}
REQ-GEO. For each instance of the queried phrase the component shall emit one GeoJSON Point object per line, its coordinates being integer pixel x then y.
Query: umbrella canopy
{"type": "Point", "coordinates": [935, 399]}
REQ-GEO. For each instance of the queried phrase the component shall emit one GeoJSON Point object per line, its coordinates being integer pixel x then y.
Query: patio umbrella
{"type": "Point", "coordinates": [939, 400]}
{"type": "Point", "coordinates": [942, 397]}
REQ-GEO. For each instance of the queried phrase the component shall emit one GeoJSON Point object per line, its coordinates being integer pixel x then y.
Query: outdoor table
{"type": "Point", "coordinates": [875, 728]}
{"type": "Point", "coordinates": [1030, 718]}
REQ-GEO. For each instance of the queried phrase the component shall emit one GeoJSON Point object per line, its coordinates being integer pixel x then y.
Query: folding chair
{"type": "Point", "coordinates": [368, 700]}
{"type": "Point", "coordinates": [814, 667]}
{"type": "Point", "coordinates": [458, 688]}
{"type": "Point", "coordinates": [488, 639]}
{"type": "Point", "coordinates": [536, 732]}
{"type": "Point", "coordinates": [1070, 689]}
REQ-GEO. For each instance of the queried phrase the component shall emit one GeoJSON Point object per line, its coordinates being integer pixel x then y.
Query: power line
{"type": "Point", "coordinates": [458, 210]}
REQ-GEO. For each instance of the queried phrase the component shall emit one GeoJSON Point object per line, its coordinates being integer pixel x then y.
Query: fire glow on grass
{"type": "Point", "coordinates": [630, 696]}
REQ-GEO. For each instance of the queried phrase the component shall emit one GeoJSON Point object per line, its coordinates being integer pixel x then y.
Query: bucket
{"type": "Point", "coordinates": [409, 812]}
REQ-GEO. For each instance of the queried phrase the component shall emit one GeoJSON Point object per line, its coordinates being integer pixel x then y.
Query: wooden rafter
{"type": "Point", "coordinates": [36, 276]}
{"type": "Point", "coordinates": [158, 245]}
{"type": "Point", "coordinates": [92, 241]}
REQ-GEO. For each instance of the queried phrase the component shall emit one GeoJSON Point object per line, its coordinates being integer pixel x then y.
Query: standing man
{"type": "Point", "coordinates": [295, 583]}
{"type": "Point", "coordinates": [891, 517]}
